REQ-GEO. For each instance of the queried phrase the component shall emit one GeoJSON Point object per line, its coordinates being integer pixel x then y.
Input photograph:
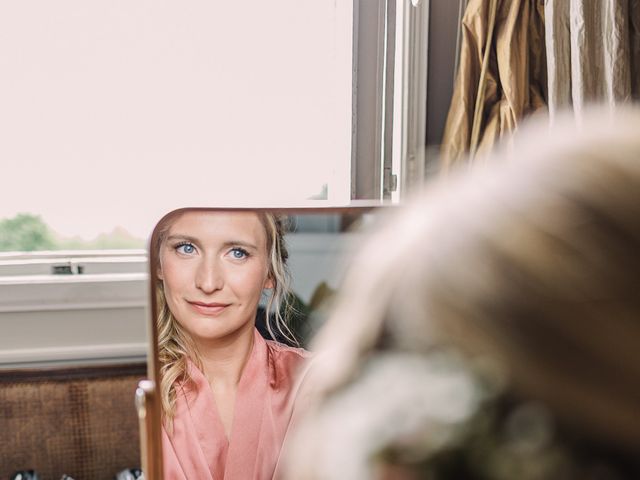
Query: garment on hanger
{"type": "Point", "coordinates": [501, 75]}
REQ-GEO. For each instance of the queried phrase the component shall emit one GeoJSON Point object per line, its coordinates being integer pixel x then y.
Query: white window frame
{"type": "Point", "coordinates": [390, 97]}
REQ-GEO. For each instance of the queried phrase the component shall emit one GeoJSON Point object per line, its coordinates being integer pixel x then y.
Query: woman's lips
{"type": "Point", "coordinates": [208, 308]}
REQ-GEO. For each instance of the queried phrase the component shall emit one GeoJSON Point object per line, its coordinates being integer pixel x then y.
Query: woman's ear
{"type": "Point", "coordinates": [269, 283]}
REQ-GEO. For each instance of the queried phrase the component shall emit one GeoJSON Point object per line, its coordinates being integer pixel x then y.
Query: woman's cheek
{"type": "Point", "coordinates": [176, 277]}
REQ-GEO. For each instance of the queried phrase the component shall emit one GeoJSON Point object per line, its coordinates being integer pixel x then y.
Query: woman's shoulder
{"type": "Point", "coordinates": [287, 364]}
{"type": "Point", "coordinates": [281, 349]}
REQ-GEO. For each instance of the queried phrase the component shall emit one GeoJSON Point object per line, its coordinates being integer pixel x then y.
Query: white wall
{"type": "Point", "coordinates": [116, 111]}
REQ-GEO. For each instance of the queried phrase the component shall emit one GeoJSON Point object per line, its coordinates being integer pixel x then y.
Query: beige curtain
{"type": "Point", "coordinates": [592, 51]}
{"type": "Point", "coordinates": [501, 75]}
{"type": "Point", "coordinates": [518, 55]}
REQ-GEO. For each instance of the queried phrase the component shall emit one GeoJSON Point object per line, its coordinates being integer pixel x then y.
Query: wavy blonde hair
{"type": "Point", "coordinates": [175, 345]}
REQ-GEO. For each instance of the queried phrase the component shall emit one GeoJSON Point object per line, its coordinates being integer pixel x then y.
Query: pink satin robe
{"type": "Point", "coordinates": [198, 448]}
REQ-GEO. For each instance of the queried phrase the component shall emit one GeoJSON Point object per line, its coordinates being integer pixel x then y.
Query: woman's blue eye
{"type": "Point", "coordinates": [239, 253]}
{"type": "Point", "coordinates": [185, 248]}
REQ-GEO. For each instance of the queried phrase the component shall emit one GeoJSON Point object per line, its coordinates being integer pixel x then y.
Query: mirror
{"type": "Point", "coordinates": [230, 332]}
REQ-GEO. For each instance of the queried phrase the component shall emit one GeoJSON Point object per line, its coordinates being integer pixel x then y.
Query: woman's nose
{"type": "Point", "coordinates": [209, 277]}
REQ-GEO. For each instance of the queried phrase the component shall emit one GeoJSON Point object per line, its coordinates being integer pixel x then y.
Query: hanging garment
{"type": "Point", "coordinates": [592, 52]}
{"type": "Point", "coordinates": [501, 75]}
{"type": "Point", "coordinates": [197, 447]}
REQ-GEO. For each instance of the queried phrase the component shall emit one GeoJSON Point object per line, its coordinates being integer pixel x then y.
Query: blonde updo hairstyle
{"type": "Point", "coordinates": [175, 345]}
{"type": "Point", "coordinates": [529, 267]}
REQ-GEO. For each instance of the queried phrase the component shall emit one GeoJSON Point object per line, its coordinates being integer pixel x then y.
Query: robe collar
{"type": "Point", "coordinates": [234, 457]}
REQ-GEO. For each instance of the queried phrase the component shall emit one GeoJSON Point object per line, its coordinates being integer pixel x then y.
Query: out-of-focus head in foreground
{"type": "Point", "coordinates": [491, 328]}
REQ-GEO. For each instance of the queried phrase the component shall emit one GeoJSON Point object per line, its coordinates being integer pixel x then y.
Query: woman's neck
{"type": "Point", "coordinates": [223, 361]}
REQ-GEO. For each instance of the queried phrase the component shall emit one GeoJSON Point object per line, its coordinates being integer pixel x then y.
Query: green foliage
{"type": "Point", "coordinates": [119, 238]}
{"type": "Point", "coordinates": [25, 232]}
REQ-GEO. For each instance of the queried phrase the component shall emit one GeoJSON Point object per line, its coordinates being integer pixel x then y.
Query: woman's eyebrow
{"type": "Point", "coordinates": [182, 237]}
{"type": "Point", "coordinates": [240, 243]}
{"type": "Point", "coordinates": [226, 244]}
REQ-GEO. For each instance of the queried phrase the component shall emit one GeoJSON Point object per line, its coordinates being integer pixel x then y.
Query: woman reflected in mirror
{"type": "Point", "coordinates": [228, 395]}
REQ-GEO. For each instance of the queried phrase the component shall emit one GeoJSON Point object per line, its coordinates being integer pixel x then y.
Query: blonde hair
{"type": "Point", "coordinates": [175, 345]}
{"type": "Point", "coordinates": [529, 265]}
